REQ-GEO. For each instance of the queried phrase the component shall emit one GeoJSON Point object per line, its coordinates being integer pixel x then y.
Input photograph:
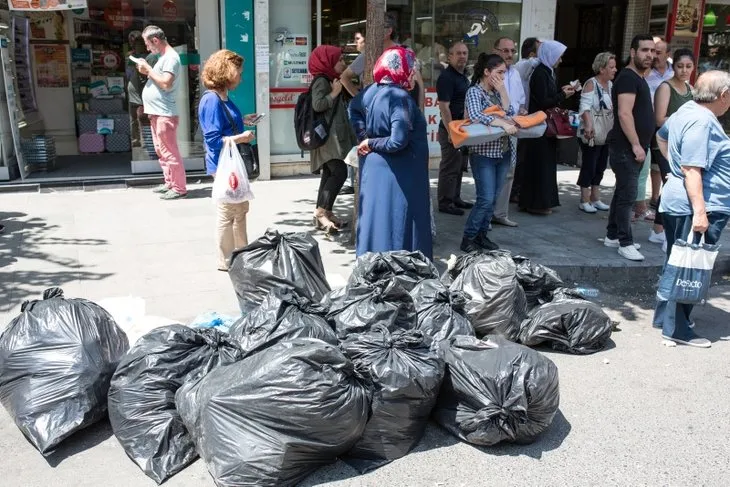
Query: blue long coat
{"type": "Point", "coordinates": [394, 210]}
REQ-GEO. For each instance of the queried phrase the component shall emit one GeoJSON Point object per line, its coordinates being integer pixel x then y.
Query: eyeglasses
{"type": "Point", "coordinates": [507, 51]}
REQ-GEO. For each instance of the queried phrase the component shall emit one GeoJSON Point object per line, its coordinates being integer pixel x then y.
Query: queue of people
{"type": "Point", "coordinates": [647, 114]}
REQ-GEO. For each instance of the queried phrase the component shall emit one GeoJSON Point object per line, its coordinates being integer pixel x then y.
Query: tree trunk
{"type": "Point", "coordinates": [373, 49]}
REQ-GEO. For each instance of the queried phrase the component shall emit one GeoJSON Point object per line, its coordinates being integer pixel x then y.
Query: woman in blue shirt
{"type": "Point", "coordinates": [489, 161]}
{"type": "Point", "coordinates": [221, 73]}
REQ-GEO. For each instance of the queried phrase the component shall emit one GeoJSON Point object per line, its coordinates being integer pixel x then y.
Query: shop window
{"type": "Point", "coordinates": [429, 28]}
{"type": "Point", "coordinates": [715, 48]}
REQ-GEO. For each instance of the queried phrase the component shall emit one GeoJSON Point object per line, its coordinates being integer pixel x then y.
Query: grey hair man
{"type": "Point", "coordinates": [160, 104]}
{"type": "Point", "coordinates": [696, 197]}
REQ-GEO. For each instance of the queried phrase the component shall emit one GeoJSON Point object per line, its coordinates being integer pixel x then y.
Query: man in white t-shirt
{"type": "Point", "coordinates": [160, 104]}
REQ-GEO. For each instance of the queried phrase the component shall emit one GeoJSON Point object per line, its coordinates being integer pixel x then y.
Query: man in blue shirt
{"type": "Point", "coordinates": [696, 196]}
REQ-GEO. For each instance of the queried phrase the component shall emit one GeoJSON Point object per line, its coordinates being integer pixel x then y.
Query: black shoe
{"type": "Point", "coordinates": [347, 190]}
{"type": "Point", "coordinates": [464, 205]}
{"type": "Point", "coordinates": [452, 210]}
{"type": "Point", "coordinates": [468, 245]}
{"type": "Point", "coordinates": [483, 241]}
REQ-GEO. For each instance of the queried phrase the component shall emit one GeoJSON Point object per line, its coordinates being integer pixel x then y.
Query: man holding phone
{"type": "Point", "coordinates": [159, 102]}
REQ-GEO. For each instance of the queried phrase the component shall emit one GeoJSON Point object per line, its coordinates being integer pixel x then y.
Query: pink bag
{"type": "Point", "coordinates": [91, 143]}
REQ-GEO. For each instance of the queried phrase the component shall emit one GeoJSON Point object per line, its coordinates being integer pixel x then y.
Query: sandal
{"type": "Point", "coordinates": [338, 223]}
{"type": "Point", "coordinates": [322, 222]}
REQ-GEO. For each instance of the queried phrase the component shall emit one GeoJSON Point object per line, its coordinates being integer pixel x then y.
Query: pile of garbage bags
{"type": "Point", "coordinates": [307, 375]}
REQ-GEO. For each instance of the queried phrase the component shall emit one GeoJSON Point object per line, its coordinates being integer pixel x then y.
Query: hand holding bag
{"type": "Point", "coordinates": [231, 183]}
{"type": "Point", "coordinates": [688, 273]}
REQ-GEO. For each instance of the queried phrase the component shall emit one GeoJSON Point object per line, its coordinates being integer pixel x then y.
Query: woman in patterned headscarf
{"type": "Point", "coordinates": [394, 184]}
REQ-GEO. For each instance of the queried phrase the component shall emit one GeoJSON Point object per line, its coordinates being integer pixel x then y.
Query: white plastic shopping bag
{"type": "Point", "coordinates": [688, 273]}
{"type": "Point", "coordinates": [231, 183]}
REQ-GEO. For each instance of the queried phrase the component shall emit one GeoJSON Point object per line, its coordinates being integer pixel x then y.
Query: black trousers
{"type": "Point", "coordinates": [595, 161]}
{"type": "Point", "coordinates": [627, 171]}
{"type": "Point", "coordinates": [451, 170]}
{"type": "Point", "coordinates": [519, 170]}
{"type": "Point", "coordinates": [334, 175]}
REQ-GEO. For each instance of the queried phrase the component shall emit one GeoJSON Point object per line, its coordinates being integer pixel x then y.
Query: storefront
{"type": "Point", "coordinates": [426, 26]}
{"type": "Point", "coordinates": [71, 72]}
{"type": "Point", "coordinates": [78, 92]}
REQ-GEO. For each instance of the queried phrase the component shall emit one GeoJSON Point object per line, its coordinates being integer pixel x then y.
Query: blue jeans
{"type": "Point", "coordinates": [489, 176]}
{"type": "Point", "coordinates": [673, 318]}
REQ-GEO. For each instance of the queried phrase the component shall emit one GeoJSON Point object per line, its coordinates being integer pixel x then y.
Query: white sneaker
{"type": "Point", "coordinates": [630, 253]}
{"type": "Point", "coordinates": [600, 205]}
{"type": "Point", "coordinates": [657, 238]}
{"type": "Point", "coordinates": [587, 207]}
{"type": "Point", "coordinates": [615, 244]}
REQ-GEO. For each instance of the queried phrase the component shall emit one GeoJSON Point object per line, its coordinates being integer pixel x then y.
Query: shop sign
{"type": "Point", "coordinates": [291, 60]}
{"type": "Point", "coordinates": [45, 6]}
{"type": "Point", "coordinates": [281, 98]}
{"type": "Point", "coordinates": [433, 118]}
{"type": "Point", "coordinates": [81, 55]}
{"type": "Point", "coordinates": [169, 10]}
{"type": "Point", "coordinates": [687, 18]}
{"type": "Point", "coordinates": [118, 15]}
{"type": "Point", "coordinates": [110, 59]}
{"type": "Point", "coordinates": [478, 22]}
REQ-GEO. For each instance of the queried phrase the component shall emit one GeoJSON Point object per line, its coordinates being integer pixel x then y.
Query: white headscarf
{"type": "Point", "coordinates": [549, 53]}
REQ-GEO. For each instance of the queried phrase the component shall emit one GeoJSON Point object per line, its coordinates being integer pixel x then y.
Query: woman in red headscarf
{"type": "Point", "coordinates": [394, 209]}
{"type": "Point", "coordinates": [326, 64]}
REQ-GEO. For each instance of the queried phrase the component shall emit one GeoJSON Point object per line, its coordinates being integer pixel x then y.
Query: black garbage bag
{"type": "Point", "coordinates": [568, 324]}
{"type": "Point", "coordinates": [358, 308]}
{"type": "Point", "coordinates": [56, 360]}
{"type": "Point", "coordinates": [404, 376]}
{"type": "Point", "coordinates": [497, 303]}
{"type": "Point", "coordinates": [537, 280]}
{"type": "Point", "coordinates": [277, 260]}
{"type": "Point", "coordinates": [495, 390]}
{"type": "Point", "coordinates": [441, 312]}
{"type": "Point", "coordinates": [142, 394]}
{"type": "Point", "coordinates": [278, 415]}
{"type": "Point", "coordinates": [282, 316]}
{"type": "Point", "coordinates": [406, 267]}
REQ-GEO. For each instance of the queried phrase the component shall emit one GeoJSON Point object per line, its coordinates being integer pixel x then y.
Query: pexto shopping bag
{"type": "Point", "coordinates": [688, 273]}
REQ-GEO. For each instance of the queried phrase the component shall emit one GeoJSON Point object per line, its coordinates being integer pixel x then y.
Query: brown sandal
{"type": "Point", "coordinates": [322, 222]}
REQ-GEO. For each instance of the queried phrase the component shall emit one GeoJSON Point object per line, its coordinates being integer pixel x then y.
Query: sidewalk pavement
{"type": "Point", "coordinates": [119, 242]}
{"type": "Point", "coordinates": [630, 415]}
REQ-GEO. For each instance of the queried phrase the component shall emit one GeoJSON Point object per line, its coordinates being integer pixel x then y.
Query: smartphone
{"type": "Point", "coordinates": [258, 118]}
{"type": "Point", "coordinates": [135, 59]}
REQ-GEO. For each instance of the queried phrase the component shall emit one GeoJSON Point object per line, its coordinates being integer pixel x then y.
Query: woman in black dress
{"type": "Point", "coordinates": [539, 190]}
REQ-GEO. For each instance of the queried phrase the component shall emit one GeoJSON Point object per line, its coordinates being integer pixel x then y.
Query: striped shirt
{"type": "Point", "coordinates": [477, 100]}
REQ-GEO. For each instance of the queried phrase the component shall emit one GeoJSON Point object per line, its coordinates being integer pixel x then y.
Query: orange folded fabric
{"type": "Point", "coordinates": [494, 111]}
{"type": "Point", "coordinates": [531, 120]}
{"type": "Point", "coordinates": [458, 136]}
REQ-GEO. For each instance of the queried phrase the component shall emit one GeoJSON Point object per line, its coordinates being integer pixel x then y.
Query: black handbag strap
{"type": "Point", "coordinates": [227, 112]}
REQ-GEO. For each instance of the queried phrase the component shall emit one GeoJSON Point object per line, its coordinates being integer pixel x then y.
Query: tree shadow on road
{"type": "Point", "coordinates": [32, 239]}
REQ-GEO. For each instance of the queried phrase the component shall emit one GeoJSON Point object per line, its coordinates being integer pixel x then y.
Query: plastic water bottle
{"type": "Point", "coordinates": [587, 292]}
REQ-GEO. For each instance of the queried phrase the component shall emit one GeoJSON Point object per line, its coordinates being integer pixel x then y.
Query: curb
{"type": "Point", "coordinates": [120, 182]}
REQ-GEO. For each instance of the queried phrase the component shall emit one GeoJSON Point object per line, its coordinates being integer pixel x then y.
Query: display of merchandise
{"type": "Point", "coordinates": [24, 78]}
{"type": "Point", "coordinates": [91, 143]}
{"type": "Point", "coordinates": [118, 142]}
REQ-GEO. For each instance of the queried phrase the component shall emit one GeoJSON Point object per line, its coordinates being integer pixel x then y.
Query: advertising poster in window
{"type": "Point", "coordinates": [687, 18]}
{"type": "Point", "coordinates": [51, 66]}
{"type": "Point", "coordinates": [290, 53]}
{"type": "Point", "coordinates": [46, 5]}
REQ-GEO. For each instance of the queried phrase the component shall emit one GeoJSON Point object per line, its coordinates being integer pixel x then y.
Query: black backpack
{"type": "Point", "coordinates": [312, 129]}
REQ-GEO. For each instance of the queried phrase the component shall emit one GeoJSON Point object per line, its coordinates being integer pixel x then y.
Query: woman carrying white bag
{"type": "Point", "coordinates": [695, 203]}
{"type": "Point", "coordinates": [222, 126]}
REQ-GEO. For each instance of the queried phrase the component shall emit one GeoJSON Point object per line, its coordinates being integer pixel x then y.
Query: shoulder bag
{"type": "Point", "coordinates": [249, 152]}
{"type": "Point", "coordinates": [602, 119]}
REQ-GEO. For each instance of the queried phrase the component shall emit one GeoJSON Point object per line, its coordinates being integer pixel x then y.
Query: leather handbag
{"type": "Point", "coordinates": [249, 152]}
{"type": "Point", "coordinates": [558, 123]}
{"type": "Point", "coordinates": [602, 121]}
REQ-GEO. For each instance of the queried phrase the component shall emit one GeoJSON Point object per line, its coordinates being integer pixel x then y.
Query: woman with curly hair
{"type": "Point", "coordinates": [220, 119]}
